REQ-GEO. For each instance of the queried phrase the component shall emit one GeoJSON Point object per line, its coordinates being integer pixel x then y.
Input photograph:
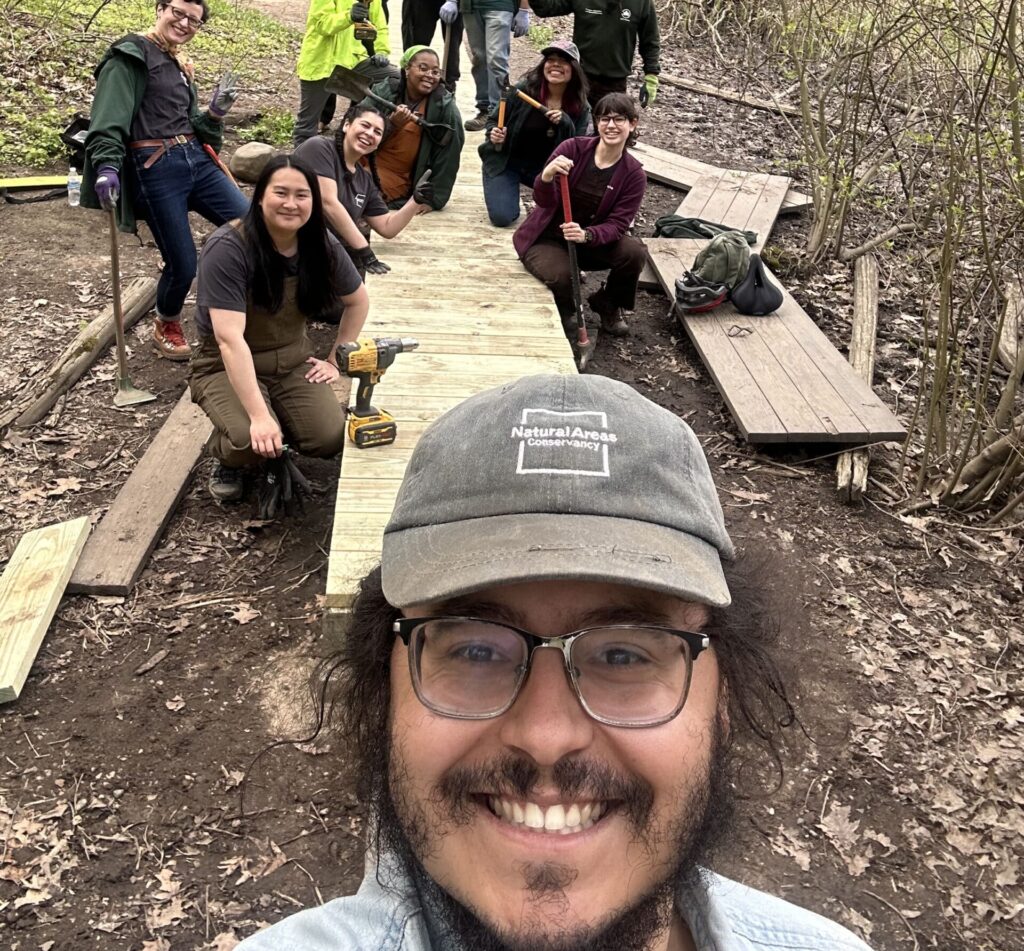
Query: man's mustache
{"type": "Point", "coordinates": [515, 777]}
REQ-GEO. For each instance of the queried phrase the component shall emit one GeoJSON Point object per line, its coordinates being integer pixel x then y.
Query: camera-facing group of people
{"type": "Point", "coordinates": [545, 677]}
{"type": "Point", "coordinates": [300, 248]}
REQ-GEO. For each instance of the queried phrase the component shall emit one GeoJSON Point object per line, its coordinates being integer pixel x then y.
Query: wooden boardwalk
{"type": "Point", "coordinates": [779, 375]}
{"type": "Point", "coordinates": [457, 286]}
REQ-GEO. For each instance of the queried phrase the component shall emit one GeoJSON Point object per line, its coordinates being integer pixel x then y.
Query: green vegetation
{"type": "Point", "coordinates": [275, 127]}
{"type": "Point", "coordinates": [540, 35]}
{"type": "Point", "coordinates": [56, 45]}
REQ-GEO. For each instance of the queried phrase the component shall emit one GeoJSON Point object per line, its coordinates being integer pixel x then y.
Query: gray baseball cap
{"type": "Point", "coordinates": [556, 477]}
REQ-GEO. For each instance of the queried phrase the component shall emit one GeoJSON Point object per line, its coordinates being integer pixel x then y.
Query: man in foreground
{"type": "Point", "coordinates": [541, 688]}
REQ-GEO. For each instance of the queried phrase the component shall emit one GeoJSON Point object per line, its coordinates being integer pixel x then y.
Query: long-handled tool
{"type": "Point", "coordinates": [350, 85]}
{"type": "Point", "coordinates": [126, 395]}
{"type": "Point", "coordinates": [530, 101]}
{"type": "Point", "coordinates": [444, 57]}
{"type": "Point", "coordinates": [503, 85]}
{"type": "Point", "coordinates": [585, 344]}
{"type": "Point", "coordinates": [219, 162]}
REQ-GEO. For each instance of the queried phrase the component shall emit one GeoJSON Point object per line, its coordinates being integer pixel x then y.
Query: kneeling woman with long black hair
{"type": "Point", "coordinates": [254, 373]}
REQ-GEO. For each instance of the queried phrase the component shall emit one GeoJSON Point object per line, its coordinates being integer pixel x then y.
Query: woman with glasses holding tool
{"type": "Point", "coordinates": [606, 186]}
{"type": "Point", "coordinates": [151, 152]}
{"type": "Point", "coordinates": [523, 132]}
{"type": "Point", "coordinates": [423, 133]}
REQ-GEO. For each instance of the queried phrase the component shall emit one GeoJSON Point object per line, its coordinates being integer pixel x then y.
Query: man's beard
{"type": "Point", "coordinates": [407, 831]}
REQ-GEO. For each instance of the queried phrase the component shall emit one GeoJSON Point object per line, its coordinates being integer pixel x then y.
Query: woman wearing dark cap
{"type": "Point", "coordinates": [254, 373]}
{"type": "Point", "coordinates": [606, 186]}
{"type": "Point", "coordinates": [513, 154]}
{"type": "Point", "coordinates": [408, 150]}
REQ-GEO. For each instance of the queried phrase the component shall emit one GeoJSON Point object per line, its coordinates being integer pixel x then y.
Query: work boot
{"type": "Point", "coordinates": [612, 321]}
{"type": "Point", "coordinates": [477, 122]}
{"type": "Point", "coordinates": [169, 341]}
{"type": "Point", "coordinates": [226, 484]}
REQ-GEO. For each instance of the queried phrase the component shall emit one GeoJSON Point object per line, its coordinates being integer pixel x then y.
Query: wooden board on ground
{"type": "Point", "coordinates": [747, 201]}
{"type": "Point", "coordinates": [30, 182]}
{"type": "Point", "coordinates": [681, 172]}
{"type": "Point", "coordinates": [779, 375]}
{"type": "Point", "coordinates": [118, 549]}
{"type": "Point", "coordinates": [30, 590]}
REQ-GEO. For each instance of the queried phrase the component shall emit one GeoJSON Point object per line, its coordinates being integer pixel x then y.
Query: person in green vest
{"type": "Point", "coordinates": [330, 41]}
{"type": "Point", "coordinates": [146, 153]}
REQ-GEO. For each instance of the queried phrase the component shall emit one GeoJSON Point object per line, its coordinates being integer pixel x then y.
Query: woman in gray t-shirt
{"type": "Point", "coordinates": [349, 187]}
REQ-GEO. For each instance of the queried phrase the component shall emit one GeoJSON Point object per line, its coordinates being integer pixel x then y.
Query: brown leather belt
{"type": "Point", "coordinates": [161, 145]}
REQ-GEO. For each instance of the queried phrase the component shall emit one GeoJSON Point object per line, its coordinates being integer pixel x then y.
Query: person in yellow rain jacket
{"type": "Point", "coordinates": [330, 41]}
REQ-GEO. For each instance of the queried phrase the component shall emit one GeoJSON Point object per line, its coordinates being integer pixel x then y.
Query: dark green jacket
{"type": "Point", "coordinates": [120, 85]}
{"type": "Point", "coordinates": [607, 33]}
{"type": "Point", "coordinates": [439, 151]}
{"type": "Point", "coordinates": [495, 161]}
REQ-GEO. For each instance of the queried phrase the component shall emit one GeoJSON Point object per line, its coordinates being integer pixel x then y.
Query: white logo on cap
{"type": "Point", "coordinates": [626, 14]}
{"type": "Point", "coordinates": [563, 443]}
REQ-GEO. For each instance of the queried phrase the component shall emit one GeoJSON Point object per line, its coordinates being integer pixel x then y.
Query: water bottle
{"type": "Point", "coordinates": [74, 187]}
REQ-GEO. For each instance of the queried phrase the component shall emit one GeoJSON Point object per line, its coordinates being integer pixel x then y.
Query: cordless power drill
{"type": "Point", "coordinates": [366, 360]}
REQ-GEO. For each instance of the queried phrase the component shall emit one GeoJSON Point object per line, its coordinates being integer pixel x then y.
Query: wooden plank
{"type": "Point", "coordinates": [117, 551]}
{"type": "Point", "coordinates": [30, 182]}
{"type": "Point", "coordinates": [681, 172]}
{"type": "Point", "coordinates": [30, 590]}
{"type": "Point", "coordinates": [743, 200]}
{"type": "Point", "coordinates": [779, 375]}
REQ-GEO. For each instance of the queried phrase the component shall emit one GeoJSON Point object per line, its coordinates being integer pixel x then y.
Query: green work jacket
{"type": "Point", "coordinates": [330, 38]}
{"type": "Point", "coordinates": [440, 151]}
{"type": "Point", "coordinates": [121, 79]}
{"type": "Point", "coordinates": [495, 161]}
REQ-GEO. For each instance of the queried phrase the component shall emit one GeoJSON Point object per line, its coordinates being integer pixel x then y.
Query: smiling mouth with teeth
{"type": "Point", "coordinates": [556, 820]}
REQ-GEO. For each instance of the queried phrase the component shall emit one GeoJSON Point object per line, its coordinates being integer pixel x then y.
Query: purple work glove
{"type": "Point", "coordinates": [449, 11]}
{"type": "Point", "coordinates": [521, 23]}
{"type": "Point", "coordinates": [108, 186]}
{"type": "Point", "coordinates": [224, 95]}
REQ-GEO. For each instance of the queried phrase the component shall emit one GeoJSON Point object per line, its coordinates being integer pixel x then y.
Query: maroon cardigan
{"type": "Point", "coordinates": [614, 214]}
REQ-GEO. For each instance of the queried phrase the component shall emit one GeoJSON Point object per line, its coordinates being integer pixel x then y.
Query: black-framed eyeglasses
{"type": "Point", "coordinates": [626, 675]}
{"type": "Point", "coordinates": [613, 119]}
{"type": "Point", "coordinates": [181, 16]}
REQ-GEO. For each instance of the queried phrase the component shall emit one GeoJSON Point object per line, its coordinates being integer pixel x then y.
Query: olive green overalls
{"type": "Point", "coordinates": [309, 415]}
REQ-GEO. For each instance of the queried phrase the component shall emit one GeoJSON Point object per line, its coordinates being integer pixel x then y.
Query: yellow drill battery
{"type": "Point", "coordinates": [364, 30]}
{"type": "Point", "coordinates": [377, 430]}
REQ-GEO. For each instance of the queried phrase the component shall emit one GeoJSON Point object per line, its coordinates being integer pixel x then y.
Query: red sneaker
{"type": "Point", "coordinates": [169, 341]}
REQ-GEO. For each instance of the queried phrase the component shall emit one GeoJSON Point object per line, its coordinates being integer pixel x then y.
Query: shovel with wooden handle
{"type": "Point", "coordinates": [126, 395]}
{"type": "Point", "coordinates": [585, 344]}
{"type": "Point", "coordinates": [349, 84]}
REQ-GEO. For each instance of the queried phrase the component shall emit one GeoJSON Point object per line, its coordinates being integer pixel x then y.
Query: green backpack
{"type": "Point", "coordinates": [725, 260]}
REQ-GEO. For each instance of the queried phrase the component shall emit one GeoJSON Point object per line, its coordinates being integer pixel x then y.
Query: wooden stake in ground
{"type": "Point", "coordinates": [30, 590]}
{"type": "Point", "coordinates": [852, 467]}
{"type": "Point", "coordinates": [88, 346]}
{"type": "Point", "coordinates": [1013, 323]}
{"type": "Point", "coordinates": [118, 549]}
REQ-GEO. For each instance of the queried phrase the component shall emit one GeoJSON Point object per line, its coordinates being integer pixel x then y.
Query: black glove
{"type": "Point", "coordinates": [423, 193]}
{"type": "Point", "coordinates": [360, 12]}
{"type": "Point", "coordinates": [281, 485]}
{"type": "Point", "coordinates": [380, 60]}
{"type": "Point", "coordinates": [368, 261]}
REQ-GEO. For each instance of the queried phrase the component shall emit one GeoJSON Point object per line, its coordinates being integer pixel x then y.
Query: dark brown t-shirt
{"type": "Point", "coordinates": [396, 157]}
{"type": "Point", "coordinates": [163, 111]}
{"type": "Point", "coordinates": [225, 274]}
{"type": "Point", "coordinates": [358, 194]}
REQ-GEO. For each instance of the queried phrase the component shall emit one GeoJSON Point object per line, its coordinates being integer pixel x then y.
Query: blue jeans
{"type": "Point", "coordinates": [501, 193]}
{"type": "Point", "coordinates": [183, 179]}
{"type": "Point", "coordinates": [490, 36]}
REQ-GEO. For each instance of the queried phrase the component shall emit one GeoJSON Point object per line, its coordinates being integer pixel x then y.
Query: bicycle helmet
{"type": "Point", "coordinates": [695, 296]}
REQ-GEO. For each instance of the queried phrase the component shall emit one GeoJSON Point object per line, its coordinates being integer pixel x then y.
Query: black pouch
{"type": "Point", "coordinates": [73, 138]}
{"type": "Point", "coordinates": [756, 295]}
